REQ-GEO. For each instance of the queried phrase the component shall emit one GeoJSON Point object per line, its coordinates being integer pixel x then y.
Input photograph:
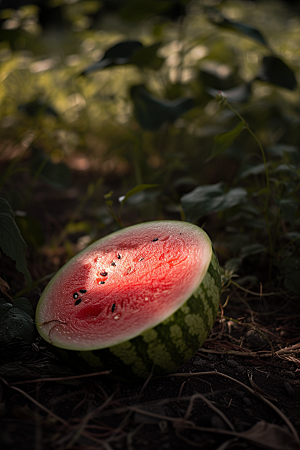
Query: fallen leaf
{"type": "Point", "coordinates": [272, 436]}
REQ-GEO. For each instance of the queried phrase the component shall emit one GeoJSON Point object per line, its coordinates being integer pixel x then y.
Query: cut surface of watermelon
{"type": "Point", "coordinates": [157, 281]}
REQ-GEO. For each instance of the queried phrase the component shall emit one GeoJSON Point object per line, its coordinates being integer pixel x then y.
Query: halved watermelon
{"type": "Point", "coordinates": [140, 299]}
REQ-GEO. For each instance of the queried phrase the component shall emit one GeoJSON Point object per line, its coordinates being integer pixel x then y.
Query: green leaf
{"type": "Point", "coordinates": [280, 149]}
{"type": "Point", "coordinates": [275, 71]}
{"type": "Point", "coordinates": [289, 207]}
{"type": "Point", "coordinates": [37, 108]}
{"type": "Point", "coordinates": [212, 198]}
{"type": "Point", "coordinates": [290, 170]}
{"type": "Point", "coordinates": [224, 140]}
{"type": "Point", "coordinates": [152, 113]}
{"type": "Point", "coordinates": [117, 55]}
{"type": "Point", "coordinates": [217, 18]}
{"type": "Point", "coordinates": [233, 265]}
{"type": "Point", "coordinates": [218, 76]}
{"type": "Point", "coordinates": [11, 241]}
{"type": "Point", "coordinates": [108, 195]}
{"type": "Point", "coordinates": [15, 322]}
{"type": "Point", "coordinates": [237, 94]}
{"type": "Point", "coordinates": [252, 169]}
{"type": "Point", "coordinates": [135, 190]}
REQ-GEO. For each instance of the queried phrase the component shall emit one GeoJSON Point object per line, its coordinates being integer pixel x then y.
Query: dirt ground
{"type": "Point", "coordinates": [235, 393]}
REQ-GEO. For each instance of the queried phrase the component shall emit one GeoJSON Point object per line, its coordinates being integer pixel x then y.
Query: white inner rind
{"type": "Point", "coordinates": [161, 264]}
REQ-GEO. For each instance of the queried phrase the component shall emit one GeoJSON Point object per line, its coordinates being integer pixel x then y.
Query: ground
{"type": "Point", "coordinates": [228, 396]}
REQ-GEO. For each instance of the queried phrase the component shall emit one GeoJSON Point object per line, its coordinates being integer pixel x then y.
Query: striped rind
{"type": "Point", "coordinates": [165, 347]}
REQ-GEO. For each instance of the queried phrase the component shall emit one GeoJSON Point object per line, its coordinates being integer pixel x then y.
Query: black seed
{"type": "Point", "coordinates": [82, 291]}
{"type": "Point", "coordinates": [113, 263]}
{"type": "Point", "coordinates": [113, 307]}
{"type": "Point", "coordinates": [154, 240]}
{"type": "Point", "coordinates": [75, 295]}
{"type": "Point", "coordinates": [141, 259]}
{"type": "Point", "coordinates": [78, 301]}
{"type": "Point", "coordinates": [101, 282]}
{"type": "Point", "coordinates": [119, 256]}
{"type": "Point", "coordinates": [103, 274]}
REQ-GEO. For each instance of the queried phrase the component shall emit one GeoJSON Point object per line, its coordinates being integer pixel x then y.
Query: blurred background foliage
{"type": "Point", "coordinates": [100, 99]}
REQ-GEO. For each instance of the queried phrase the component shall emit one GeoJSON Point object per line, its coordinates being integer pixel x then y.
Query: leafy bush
{"type": "Point", "coordinates": [199, 104]}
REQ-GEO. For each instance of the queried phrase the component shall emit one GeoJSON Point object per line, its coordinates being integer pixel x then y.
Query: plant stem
{"type": "Point", "coordinates": [267, 178]}
{"type": "Point", "coordinates": [137, 160]}
{"type": "Point", "coordinates": [261, 149]}
{"type": "Point", "coordinates": [182, 214]}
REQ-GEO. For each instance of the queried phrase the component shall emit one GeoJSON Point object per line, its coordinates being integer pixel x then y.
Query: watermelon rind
{"type": "Point", "coordinates": [160, 349]}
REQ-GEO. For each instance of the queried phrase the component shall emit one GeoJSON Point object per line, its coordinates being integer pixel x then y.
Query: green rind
{"type": "Point", "coordinates": [165, 347]}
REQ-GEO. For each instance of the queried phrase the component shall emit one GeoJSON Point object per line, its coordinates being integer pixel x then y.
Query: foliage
{"type": "Point", "coordinates": [212, 198]}
{"type": "Point", "coordinates": [11, 241]}
{"type": "Point", "coordinates": [202, 103]}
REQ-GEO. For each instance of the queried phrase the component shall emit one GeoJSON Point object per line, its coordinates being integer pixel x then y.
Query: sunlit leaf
{"type": "Point", "coordinates": [152, 113]}
{"type": "Point", "coordinates": [11, 240]}
{"type": "Point", "coordinates": [212, 198]}
{"type": "Point", "coordinates": [135, 190]}
{"type": "Point", "coordinates": [275, 71]}
{"type": "Point", "coordinates": [224, 140]}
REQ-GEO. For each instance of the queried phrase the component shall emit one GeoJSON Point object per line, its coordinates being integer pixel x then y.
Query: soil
{"type": "Point", "coordinates": [234, 393]}
{"type": "Point", "coordinates": [241, 390]}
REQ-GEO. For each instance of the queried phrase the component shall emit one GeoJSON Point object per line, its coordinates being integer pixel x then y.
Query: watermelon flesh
{"type": "Point", "coordinates": [155, 283]}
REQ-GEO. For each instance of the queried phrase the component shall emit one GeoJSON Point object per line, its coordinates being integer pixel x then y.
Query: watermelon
{"type": "Point", "coordinates": [140, 300]}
